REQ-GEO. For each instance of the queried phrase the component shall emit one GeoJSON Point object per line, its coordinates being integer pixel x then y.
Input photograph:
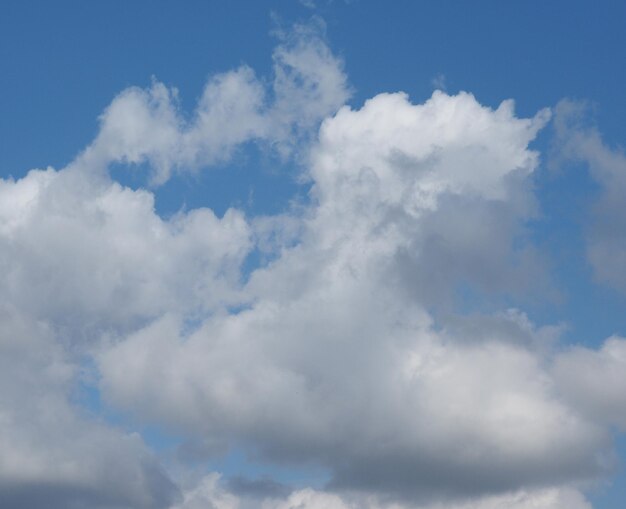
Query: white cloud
{"type": "Point", "coordinates": [86, 260]}
{"type": "Point", "coordinates": [595, 380]}
{"type": "Point", "coordinates": [335, 353]}
{"type": "Point", "coordinates": [449, 179]}
{"type": "Point", "coordinates": [235, 107]}
{"type": "Point", "coordinates": [439, 82]}
{"type": "Point", "coordinates": [208, 494]}
{"type": "Point", "coordinates": [87, 254]}
{"type": "Point", "coordinates": [334, 363]}
{"type": "Point", "coordinates": [309, 4]}
{"type": "Point", "coordinates": [54, 455]}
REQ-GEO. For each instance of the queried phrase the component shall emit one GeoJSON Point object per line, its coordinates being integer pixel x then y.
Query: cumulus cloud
{"type": "Point", "coordinates": [53, 454]}
{"type": "Point", "coordinates": [438, 82]}
{"type": "Point", "coordinates": [334, 362]}
{"type": "Point", "coordinates": [450, 177]}
{"type": "Point", "coordinates": [146, 125]}
{"type": "Point", "coordinates": [334, 352]}
{"type": "Point", "coordinates": [88, 255]}
{"type": "Point", "coordinates": [87, 260]}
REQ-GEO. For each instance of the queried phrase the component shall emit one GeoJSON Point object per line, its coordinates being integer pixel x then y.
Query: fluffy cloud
{"type": "Point", "coordinates": [235, 107]}
{"type": "Point", "coordinates": [336, 358]}
{"type": "Point", "coordinates": [449, 178]}
{"type": "Point", "coordinates": [53, 454]}
{"type": "Point", "coordinates": [345, 350]}
{"type": "Point", "coordinates": [86, 260]}
{"type": "Point", "coordinates": [87, 254]}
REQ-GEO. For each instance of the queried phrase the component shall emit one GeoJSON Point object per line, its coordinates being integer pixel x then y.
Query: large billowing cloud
{"type": "Point", "coordinates": [342, 351]}
{"type": "Point", "coordinates": [336, 359]}
{"type": "Point", "coordinates": [85, 260]}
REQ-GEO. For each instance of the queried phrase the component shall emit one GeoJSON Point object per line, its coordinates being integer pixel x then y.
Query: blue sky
{"type": "Point", "coordinates": [308, 287]}
{"type": "Point", "coordinates": [62, 62]}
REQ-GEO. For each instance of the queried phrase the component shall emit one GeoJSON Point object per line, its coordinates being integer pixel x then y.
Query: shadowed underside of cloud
{"type": "Point", "coordinates": [337, 354]}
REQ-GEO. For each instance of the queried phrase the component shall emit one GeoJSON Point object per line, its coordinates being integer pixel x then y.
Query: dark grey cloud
{"type": "Point", "coordinates": [158, 492]}
{"type": "Point", "coordinates": [264, 487]}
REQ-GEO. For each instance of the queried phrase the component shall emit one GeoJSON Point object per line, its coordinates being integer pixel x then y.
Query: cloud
{"type": "Point", "coordinates": [451, 177]}
{"type": "Point", "coordinates": [345, 349]}
{"type": "Point", "coordinates": [86, 260]}
{"type": "Point", "coordinates": [146, 125]}
{"type": "Point", "coordinates": [595, 380]}
{"type": "Point", "coordinates": [337, 361]}
{"type": "Point", "coordinates": [53, 454]}
{"type": "Point", "coordinates": [213, 495]}
{"type": "Point", "coordinates": [309, 4]}
{"type": "Point", "coordinates": [88, 255]}
{"type": "Point", "coordinates": [438, 82]}
{"type": "Point", "coordinates": [577, 140]}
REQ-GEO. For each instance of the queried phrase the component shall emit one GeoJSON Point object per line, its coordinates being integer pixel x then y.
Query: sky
{"type": "Point", "coordinates": [314, 254]}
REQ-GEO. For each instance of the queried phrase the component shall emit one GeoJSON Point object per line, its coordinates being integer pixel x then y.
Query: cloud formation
{"type": "Point", "coordinates": [236, 107]}
{"type": "Point", "coordinates": [578, 140]}
{"type": "Point", "coordinates": [595, 380]}
{"type": "Point", "coordinates": [53, 454]}
{"type": "Point", "coordinates": [345, 350]}
{"type": "Point", "coordinates": [337, 361]}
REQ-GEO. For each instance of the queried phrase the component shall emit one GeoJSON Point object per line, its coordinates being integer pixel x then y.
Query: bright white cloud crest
{"type": "Point", "coordinates": [331, 354]}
